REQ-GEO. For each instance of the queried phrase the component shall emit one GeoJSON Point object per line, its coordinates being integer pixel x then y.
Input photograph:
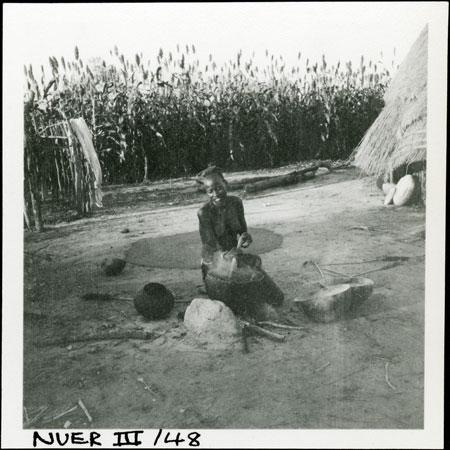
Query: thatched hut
{"type": "Point", "coordinates": [396, 143]}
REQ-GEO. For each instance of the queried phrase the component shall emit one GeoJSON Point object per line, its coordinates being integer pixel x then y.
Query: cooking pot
{"type": "Point", "coordinates": [247, 292]}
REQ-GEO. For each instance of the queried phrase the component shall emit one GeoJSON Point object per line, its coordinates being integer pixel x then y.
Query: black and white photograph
{"type": "Point", "coordinates": [224, 224]}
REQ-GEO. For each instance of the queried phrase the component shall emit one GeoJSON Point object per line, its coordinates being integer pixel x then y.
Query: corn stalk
{"type": "Point", "coordinates": [171, 116]}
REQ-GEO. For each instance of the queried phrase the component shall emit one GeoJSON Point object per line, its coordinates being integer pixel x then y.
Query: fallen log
{"type": "Point", "coordinates": [282, 180]}
{"type": "Point", "coordinates": [334, 165]}
{"type": "Point", "coordinates": [255, 184]}
{"type": "Point", "coordinates": [236, 185]}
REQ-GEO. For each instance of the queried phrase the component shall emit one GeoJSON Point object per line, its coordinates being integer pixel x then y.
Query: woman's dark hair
{"type": "Point", "coordinates": [208, 172]}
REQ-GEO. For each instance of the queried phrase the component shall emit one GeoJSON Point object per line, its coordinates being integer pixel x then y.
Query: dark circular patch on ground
{"type": "Point", "coordinates": [183, 251]}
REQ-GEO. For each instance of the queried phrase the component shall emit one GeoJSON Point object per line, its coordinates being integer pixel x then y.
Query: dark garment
{"type": "Point", "coordinates": [205, 269]}
{"type": "Point", "coordinates": [219, 227]}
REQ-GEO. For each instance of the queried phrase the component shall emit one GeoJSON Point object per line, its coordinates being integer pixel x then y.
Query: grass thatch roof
{"type": "Point", "coordinates": [398, 135]}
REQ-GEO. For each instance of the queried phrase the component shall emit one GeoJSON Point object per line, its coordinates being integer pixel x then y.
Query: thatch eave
{"type": "Point", "coordinates": [398, 135]}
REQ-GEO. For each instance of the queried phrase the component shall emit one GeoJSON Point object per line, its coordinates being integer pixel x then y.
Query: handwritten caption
{"type": "Point", "coordinates": [135, 438]}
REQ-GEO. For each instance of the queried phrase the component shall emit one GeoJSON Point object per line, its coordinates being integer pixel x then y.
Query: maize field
{"type": "Point", "coordinates": [172, 116]}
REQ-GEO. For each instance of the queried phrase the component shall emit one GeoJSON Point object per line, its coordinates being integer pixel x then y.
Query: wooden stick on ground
{"type": "Point", "coordinates": [57, 411]}
{"type": "Point", "coordinates": [26, 218]}
{"type": "Point", "coordinates": [65, 412]}
{"type": "Point", "coordinates": [350, 263]}
{"type": "Point", "coordinates": [386, 377]}
{"type": "Point", "coordinates": [322, 367]}
{"type": "Point", "coordinates": [318, 268]}
{"type": "Point", "coordinates": [343, 377]}
{"type": "Point", "coordinates": [148, 388]}
{"type": "Point", "coordinates": [39, 414]}
{"type": "Point", "coordinates": [338, 273]}
{"type": "Point", "coordinates": [42, 373]}
{"type": "Point", "coordinates": [279, 325]}
{"type": "Point", "coordinates": [262, 332]}
{"type": "Point", "coordinates": [389, 266]}
{"type": "Point", "coordinates": [86, 412]}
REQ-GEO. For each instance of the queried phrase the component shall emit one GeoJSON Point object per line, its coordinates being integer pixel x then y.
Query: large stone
{"type": "Point", "coordinates": [212, 322]}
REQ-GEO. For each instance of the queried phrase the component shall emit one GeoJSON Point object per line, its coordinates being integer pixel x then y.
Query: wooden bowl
{"type": "Point", "coordinates": [327, 304]}
{"type": "Point", "coordinates": [335, 298]}
{"type": "Point", "coordinates": [361, 288]}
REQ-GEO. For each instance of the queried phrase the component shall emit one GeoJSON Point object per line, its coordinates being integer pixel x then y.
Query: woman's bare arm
{"type": "Point", "coordinates": [241, 216]}
{"type": "Point", "coordinates": [246, 237]}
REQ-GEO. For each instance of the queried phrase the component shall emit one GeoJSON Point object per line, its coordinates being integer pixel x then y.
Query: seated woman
{"type": "Point", "coordinates": [221, 219]}
{"type": "Point", "coordinates": [222, 224]}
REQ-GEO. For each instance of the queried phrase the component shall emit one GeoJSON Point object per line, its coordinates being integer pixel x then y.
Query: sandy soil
{"type": "Point", "coordinates": [324, 376]}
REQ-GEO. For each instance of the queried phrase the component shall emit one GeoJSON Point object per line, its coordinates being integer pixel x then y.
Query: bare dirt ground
{"type": "Point", "coordinates": [324, 376]}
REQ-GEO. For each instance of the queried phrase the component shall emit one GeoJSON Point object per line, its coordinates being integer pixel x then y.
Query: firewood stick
{"type": "Point", "coordinates": [65, 412]}
{"type": "Point", "coordinates": [262, 332]}
{"type": "Point", "coordinates": [86, 412]}
{"type": "Point", "coordinates": [279, 325]}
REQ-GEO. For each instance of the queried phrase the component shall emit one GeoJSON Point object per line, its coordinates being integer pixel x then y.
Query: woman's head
{"type": "Point", "coordinates": [215, 184]}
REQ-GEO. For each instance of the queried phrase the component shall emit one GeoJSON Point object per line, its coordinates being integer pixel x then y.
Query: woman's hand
{"type": "Point", "coordinates": [245, 239]}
